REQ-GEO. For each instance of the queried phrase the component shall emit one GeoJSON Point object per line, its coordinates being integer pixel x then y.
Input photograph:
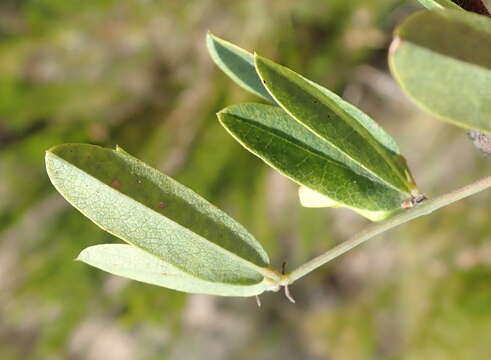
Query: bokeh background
{"type": "Point", "coordinates": [136, 73]}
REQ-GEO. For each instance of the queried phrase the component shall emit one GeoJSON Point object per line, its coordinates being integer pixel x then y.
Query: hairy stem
{"type": "Point", "coordinates": [423, 209]}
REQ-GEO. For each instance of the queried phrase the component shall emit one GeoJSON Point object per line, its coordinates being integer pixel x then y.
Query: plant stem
{"type": "Point", "coordinates": [424, 208]}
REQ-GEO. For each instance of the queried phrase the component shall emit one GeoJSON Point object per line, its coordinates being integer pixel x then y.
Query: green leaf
{"type": "Point", "coordinates": [306, 158]}
{"type": "Point", "coordinates": [238, 64]}
{"type": "Point", "coordinates": [136, 264]}
{"type": "Point", "coordinates": [442, 60]}
{"type": "Point", "coordinates": [354, 140]}
{"type": "Point", "coordinates": [439, 4]}
{"type": "Point", "coordinates": [338, 123]}
{"type": "Point", "coordinates": [149, 210]}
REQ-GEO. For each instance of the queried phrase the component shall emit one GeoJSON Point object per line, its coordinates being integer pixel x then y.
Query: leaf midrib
{"type": "Point", "coordinates": [371, 140]}
{"type": "Point", "coordinates": [249, 264]}
{"type": "Point", "coordinates": [178, 273]}
{"type": "Point", "coordinates": [320, 136]}
{"type": "Point", "coordinates": [308, 149]}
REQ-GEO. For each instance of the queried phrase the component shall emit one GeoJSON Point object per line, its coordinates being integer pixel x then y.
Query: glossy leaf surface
{"type": "Point", "coordinates": [149, 210]}
{"type": "Point", "coordinates": [442, 60]}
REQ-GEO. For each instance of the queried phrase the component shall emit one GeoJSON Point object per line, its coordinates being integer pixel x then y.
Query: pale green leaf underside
{"type": "Point", "coordinates": [439, 4]}
{"type": "Point", "coordinates": [238, 64]}
{"type": "Point", "coordinates": [133, 263]}
{"type": "Point", "coordinates": [338, 123]}
{"type": "Point", "coordinates": [148, 209]}
{"type": "Point", "coordinates": [301, 155]}
{"type": "Point", "coordinates": [442, 60]}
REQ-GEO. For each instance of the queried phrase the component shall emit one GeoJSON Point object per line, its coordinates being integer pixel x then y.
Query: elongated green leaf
{"type": "Point", "coordinates": [335, 121]}
{"type": "Point", "coordinates": [300, 154]}
{"type": "Point", "coordinates": [442, 60]}
{"type": "Point", "coordinates": [439, 4]}
{"type": "Point", "coordinates": [133, 263]}
{"type": "Point", "coordinates": [354, 140]}
{"type": "Point", "coordinates": [150, 210]}
{"type": "Point", "coordinates": [238, 64]}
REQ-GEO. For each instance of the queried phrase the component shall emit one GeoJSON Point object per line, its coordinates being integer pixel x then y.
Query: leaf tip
{"type": "Point", "coordinates": [219, 114]}
{"type": "Point", "coordinates": [82, 256]}
{"type": "Point", "coordinates": [54, 148]}
{"type": "Point", "coordinates": [210, 37]}
{"type": "Point", "coordinates": [119, 149]}
{"type": "Point", "coordinates": [225, 111]}
{"type": "Point", "coordinates": [212, 43]}
{"type": "Point", "coordinates": [47, 154]}
{"type": "Point", "coordinates": [222, 119]}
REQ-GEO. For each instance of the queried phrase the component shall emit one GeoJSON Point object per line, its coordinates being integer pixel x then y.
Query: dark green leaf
{"type": "Point", "coordinates": [238, 64]}
{"type": "Point", "coordinates": [338, 123]}
{"type": "Point", "coordinates": [300, 154]}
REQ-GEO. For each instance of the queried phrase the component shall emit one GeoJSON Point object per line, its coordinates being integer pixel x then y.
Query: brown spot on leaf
{"type": "Point", "coordinates": [162, 205]}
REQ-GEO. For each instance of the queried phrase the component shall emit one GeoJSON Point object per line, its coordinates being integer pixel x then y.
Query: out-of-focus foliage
{"type": "Point", "coordinates": [448, 78]}
{"type": "Point", "coordinates": [136, 73]}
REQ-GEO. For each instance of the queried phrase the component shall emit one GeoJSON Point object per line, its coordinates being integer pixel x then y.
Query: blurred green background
{"type": "Point", "coordinates": [136, 73]}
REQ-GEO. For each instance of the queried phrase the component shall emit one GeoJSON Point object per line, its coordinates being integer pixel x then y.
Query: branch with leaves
{"type": "Point", "coordinates": [336, 153]}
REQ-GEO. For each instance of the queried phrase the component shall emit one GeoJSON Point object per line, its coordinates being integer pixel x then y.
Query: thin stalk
{"type": "Point", "coordinates": [424, 208]}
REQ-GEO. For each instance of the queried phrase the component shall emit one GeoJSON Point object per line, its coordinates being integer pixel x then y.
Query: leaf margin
{"type": "Point", "coordinates": [265, 272]}
{"type": "Point", "coordinates": [133, 263]}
